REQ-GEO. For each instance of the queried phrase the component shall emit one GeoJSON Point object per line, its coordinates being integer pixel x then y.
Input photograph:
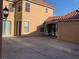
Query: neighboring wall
{"type": "Point", "coordinates": [36, 16]}
{"type": "Point", "coordinates": [69, 31]}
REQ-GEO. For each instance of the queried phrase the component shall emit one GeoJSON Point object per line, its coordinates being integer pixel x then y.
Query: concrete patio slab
{"type": "Point", "coordinates": [38, 48]}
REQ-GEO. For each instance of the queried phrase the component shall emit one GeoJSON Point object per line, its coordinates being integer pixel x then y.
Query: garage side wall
{"type": "Point", "coordinates": [69, 31]}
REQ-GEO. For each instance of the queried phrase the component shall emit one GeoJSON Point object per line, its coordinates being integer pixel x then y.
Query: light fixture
{"type": "Point", "coordinates": [5, 12]}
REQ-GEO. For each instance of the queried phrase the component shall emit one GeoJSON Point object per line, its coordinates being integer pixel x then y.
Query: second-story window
{"type": "Point", "coordinates": [27, 6]}
{"type": "Point", "coordinates": [46, 10]}
{"type": "Point", "coordinates": [11, 7]}
{"type": "Point", "coordinates": [11, 0]}
{"type": "Point", "coordinates": [19, 7]}
{"type": "Point", "coordinates": [19, 0]}
{"type": "Point", "coordinates": [26, 0]}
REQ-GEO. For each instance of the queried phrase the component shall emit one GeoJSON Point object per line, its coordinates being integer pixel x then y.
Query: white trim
{"type": "Point", "coordinates": [23, 27]}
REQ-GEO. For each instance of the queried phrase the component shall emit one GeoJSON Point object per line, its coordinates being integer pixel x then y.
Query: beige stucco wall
{"type": "Point", "coordinates": [36, 16]}
{"type": "Point", "coordinates": [69, 31]}
{"type": "Point", "coordinates": [10, 17]}
{"type": "Point", "coordinates": [18, 14]}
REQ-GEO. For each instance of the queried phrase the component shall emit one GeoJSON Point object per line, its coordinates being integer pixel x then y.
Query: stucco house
{"type": "Point", "coordinates": [65, 27]}
{"type": "Point", "coordinates": [25, 16]}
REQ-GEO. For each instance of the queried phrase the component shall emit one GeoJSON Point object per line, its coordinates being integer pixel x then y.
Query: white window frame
{"type": "Point", "coordinates": [26, 26]}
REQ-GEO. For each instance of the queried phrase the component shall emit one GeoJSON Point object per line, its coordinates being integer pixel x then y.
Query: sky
{"type": "Point", "coordinates": [62, 7]}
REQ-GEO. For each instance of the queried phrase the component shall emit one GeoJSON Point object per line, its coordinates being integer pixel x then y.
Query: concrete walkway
{"type": "Point", "coordinates": [38, 48]}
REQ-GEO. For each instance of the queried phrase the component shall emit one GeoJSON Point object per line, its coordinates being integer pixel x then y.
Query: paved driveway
{"type": "Point", "coordinates": [38, 48]}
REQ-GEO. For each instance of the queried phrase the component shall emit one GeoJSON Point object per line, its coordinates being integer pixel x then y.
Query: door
{"type": "Point", "coordinates": [6, 27]}
{"type": "Point", "coordinates": [54, 30]}
{"type": "Point", "coordinates": [18, 28]}
{"type": "Point", "coordinates": [51, 28]}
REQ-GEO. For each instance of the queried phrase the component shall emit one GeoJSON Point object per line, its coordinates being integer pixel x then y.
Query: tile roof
{"type": "Point", "coordinates": [73, 16]}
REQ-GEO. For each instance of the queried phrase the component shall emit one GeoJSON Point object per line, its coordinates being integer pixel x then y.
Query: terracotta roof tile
{"type": "Point", "coordinates": [68, 17]}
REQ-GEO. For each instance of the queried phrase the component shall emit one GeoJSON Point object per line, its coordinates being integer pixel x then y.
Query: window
{"type": "Point", "coordinates": [19, 7]}
{"type": "Point", "coordinates": [11, 7]}
{"type": "Point", "coordinates": [26, 0]}
{"type": "Point", "coordinates": [46, 10]}
{"type": "Point", "coordinates": [27, 7]}
{"type": "Point", "coordinates": [42, 29]}
{"type": "Point", "coordinates": [11, 0]}
{"type": "Point", "coordinates": [19, 0]}
{"type": "Point", "coordinates": [26, 26]}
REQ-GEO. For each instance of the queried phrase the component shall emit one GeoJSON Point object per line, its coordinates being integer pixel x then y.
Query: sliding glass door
{"type": "Point", "coordinates": [6, 27]}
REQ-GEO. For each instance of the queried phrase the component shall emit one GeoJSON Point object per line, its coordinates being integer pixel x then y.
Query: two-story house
{"type": "Point", "coordinates": [25, 16]}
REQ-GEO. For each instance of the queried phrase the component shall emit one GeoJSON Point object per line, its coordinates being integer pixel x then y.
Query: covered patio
{"type": "Point", "coordinates": [65, 27]}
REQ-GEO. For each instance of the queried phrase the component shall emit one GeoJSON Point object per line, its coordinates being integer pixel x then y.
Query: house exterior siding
{"type": "Point", "coordinates": [35, 17]}
{"type": "Point", "coordinates": [10, 18]}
